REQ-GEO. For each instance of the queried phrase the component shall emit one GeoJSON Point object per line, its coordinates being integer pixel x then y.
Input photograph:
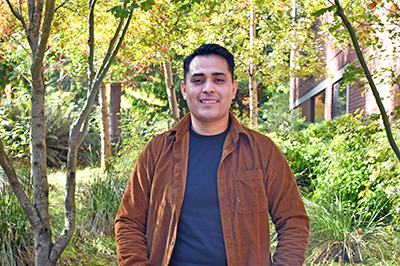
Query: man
{"type": "Point", "coordinates": [201, 193]}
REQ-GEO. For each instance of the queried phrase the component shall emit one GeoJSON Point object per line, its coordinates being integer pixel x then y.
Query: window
{"type": "Point", "coordinates": [339, 99]}
{"type": "Point", "coordinates": [319, 107]}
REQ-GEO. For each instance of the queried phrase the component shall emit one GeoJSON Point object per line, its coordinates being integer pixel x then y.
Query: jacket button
{"type": "Point", "coordinates": [172, 242]}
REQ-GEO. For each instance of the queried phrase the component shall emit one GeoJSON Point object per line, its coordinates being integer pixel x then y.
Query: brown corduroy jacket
{"type": "Point", "coordinates": [254, 180]}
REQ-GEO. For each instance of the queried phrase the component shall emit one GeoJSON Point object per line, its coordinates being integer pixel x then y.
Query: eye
{"type": "Point", "coordinates": [219, 80]}
{"type": "Point", "coordinates": [197, 81]}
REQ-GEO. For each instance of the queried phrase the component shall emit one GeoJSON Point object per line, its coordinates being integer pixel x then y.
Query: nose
{"type": "Point", "coordinates": [208, 87]}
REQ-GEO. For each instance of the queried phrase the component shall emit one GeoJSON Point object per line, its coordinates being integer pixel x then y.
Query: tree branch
{"type": "Point", "coordinates": [26, 204]}
{"type": "Point", "coordinates": [22, 74]}
{"type": "Point", "coordinates": [21, 44]}
{"type": "Point", "coordinates": [53, 66]}
{"type": "Point", "coordinates": [79, 14]}
{"type": "Point", "coordinates": [386, 123]}
{"type": "Point", "coordinates": [77, 133]}
{"type": "Point", "coordinates": [18, 15]}
{"type": "Point", "coordinates": [15, 13]}
{"type": "Point", "coordinates": [100, 75]}
{"type": "Point", "coordinates": [111, 46]}
{"type": "Point", "coordinates": [44, 36]}
{"type": "Point", "coordinates": [264, 79]}
{"type": "Point", "coordinates": [60, 6]}
{"type": "Point", "coordinates": [92, 4]}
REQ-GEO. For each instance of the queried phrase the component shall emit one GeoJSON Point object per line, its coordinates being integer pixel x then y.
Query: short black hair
{"type": "Point", "coordinates": [209, 49]}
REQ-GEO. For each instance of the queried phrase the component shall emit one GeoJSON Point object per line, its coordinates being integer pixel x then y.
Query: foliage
{"type": "Point", "coordinates": [90, 250]}
{"type": "Point", "coordinates": [93, 242]}
{"type": "Point", "coordinates": [14, 127]}
{"type": "Point", "coordinates": [373, 26]}
{"type": "Point", "coordinates": [16, 237]}
{"type": "Point", "coordinates": [348, 155]}
{"type": "Point", "coordinates": [339, 234]}
{"type": "Point", "coordinates": [270, 49]}
{"type": "Point", "coordinates": [137, 130]}
{"type": "Point", "coordinates": [275, 116]}
{"type": "Point", "coordinates": [100, 201]}
{"type": "Point", "coordinates": [60, 110]}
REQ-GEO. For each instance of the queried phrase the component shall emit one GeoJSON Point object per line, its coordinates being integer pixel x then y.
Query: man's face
{"type": "Point", "coordinates": [209, 90]}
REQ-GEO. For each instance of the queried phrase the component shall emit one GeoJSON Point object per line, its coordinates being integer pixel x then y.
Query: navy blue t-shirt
{"type": "Point", "coordinates": [199, 238]}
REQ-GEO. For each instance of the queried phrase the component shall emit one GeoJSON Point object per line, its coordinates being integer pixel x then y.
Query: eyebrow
{"type": "Point", "coordinates": [213, 74]}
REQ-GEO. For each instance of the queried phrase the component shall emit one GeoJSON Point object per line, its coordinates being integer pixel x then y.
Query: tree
{"type": "Point", "coordinates": [104, 129]}
{"type": "Point", "coordinates": [115, 114]}
{"type": "Point", "coordinates": [259, 33]}
{"type": "Point", "coordinates": [37, 33]}
{"type": "Point", "coordinates": [160, 36]}
{"type": "Point", "coordinates": [368, 39]}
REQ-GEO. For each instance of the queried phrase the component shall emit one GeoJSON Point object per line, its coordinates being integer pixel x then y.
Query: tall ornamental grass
{"type": "Point", "coordinates": [351, 181]}
{"type": "Point", "coordinates": [16, 236]}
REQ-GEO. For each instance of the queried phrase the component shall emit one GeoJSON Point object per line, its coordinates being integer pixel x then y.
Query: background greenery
{"type": "Point", "coordinates": [345, 169]}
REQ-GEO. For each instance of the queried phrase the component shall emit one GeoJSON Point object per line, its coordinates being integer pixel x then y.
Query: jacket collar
{"type": "Point", "coordinates": [183, 127]}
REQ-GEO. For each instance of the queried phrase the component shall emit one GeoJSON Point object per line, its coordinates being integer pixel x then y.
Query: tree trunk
{"type": "Point", "coordinates": [253, 74]}
{"type": "Point", "coordinates": [47, 253]}
{"type": "Point", "coordinates": [42, 232]}
{"type": "Point", "coordinates": [169, 83]}
{"type": "Point", "coordinates": [37, 34]}
{"type": "Point", "coordinates": [375, 92]}
{"type": "Point", "coordinates": [104, 128]}
{"type": "Point", "coordinates": [115, 115]}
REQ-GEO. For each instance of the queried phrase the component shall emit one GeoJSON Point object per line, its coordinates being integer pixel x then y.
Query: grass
{"type": "Point", "coordinates": [93, 242]}
{"type": "Point", "coordinates": [344, 236]}
{"type": "Point", "coordinates": [339, 236]}
{"type": "Point", "coordinates": [16, 242]}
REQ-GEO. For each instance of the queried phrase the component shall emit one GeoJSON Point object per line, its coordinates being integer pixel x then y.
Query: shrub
{"type": "Point", "coordinates": [349, 156]}
{"type": "Point", "coordinates": [275, 116]}
{"type": "Point", "coordinates": [59, 115]}
{"type": "Point", "coordinates": [16, 237]}
{"type": "Point", "coordinates": [338, 233]}
{"type": "Point", "coordinates": [100, 201]}
{"type": "Point", "coordinates": [136, 131]}
{"type": "Point", "coordinates": [14, 126]}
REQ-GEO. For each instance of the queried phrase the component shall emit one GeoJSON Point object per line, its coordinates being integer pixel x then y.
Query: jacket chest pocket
{"type": "Point", "coordinates": [250, 192]}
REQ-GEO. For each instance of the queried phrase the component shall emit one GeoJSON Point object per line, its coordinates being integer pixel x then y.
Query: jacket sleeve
{"type": "Point", "coordinates": [130, 222]}
{"type": "Point", "coordinates": [287, 212]}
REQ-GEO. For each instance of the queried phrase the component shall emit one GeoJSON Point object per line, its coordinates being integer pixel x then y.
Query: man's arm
{"type": "Point", "coordinates": [287, 212]}
{"type": "Point", "coordinates": [130, 222]}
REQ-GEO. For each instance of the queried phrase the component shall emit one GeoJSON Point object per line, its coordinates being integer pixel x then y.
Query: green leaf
{"type": "Point", "coordinates": [119, 12]}
{"type": "Point", "coordinates": [322, 11]}
{"type": "Point", "coordinates": [145, 6]}
{"type": "Point", "coordinates": [334, 28]}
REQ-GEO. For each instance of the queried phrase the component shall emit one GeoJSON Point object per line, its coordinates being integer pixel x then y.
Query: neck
{"type": "Point", "coordinates": [211, 128]}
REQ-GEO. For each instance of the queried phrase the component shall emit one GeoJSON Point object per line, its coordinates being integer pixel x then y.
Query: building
{"type": "Point", "coordinates": [327, 97]}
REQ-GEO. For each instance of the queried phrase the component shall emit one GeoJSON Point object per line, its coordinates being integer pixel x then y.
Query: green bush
{"type": "Point", "coordinates": [14, 126]}
{"type": "Point", "coordinates": [16, 236]}
{"type": "Point", "coordinates": [136, 131]}
{"type": "Point", "coordinates": [99, 201]}
{"type": "Point", "coordinates": [274, 116]}
{"type": "Point", "coordinates": [339, 234]}
{"type": "Point", "coordinates": [350, 156]}
{"type": "Point", "coordinates": [59, 114]}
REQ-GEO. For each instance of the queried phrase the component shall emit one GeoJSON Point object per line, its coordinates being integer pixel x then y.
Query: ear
{"type": "Point", "coordinates": [234, 89]}
{"type": "Point", "coordinates": [183, 90]}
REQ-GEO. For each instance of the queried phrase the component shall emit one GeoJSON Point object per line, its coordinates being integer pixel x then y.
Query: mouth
{"type": "Point", "coordinates": [206, 101]}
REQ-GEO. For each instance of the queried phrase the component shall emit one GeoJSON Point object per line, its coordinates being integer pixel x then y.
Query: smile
{"type": "Point", "coordinates": [208, 101]}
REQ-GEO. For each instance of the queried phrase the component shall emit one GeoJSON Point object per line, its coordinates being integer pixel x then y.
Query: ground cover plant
{"type": "Point", "coordinates": [16, 237]}
{"type": "Point", "coordinates": [345, 169]}
{"type": "Point", "coordinates": [352, 181]}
